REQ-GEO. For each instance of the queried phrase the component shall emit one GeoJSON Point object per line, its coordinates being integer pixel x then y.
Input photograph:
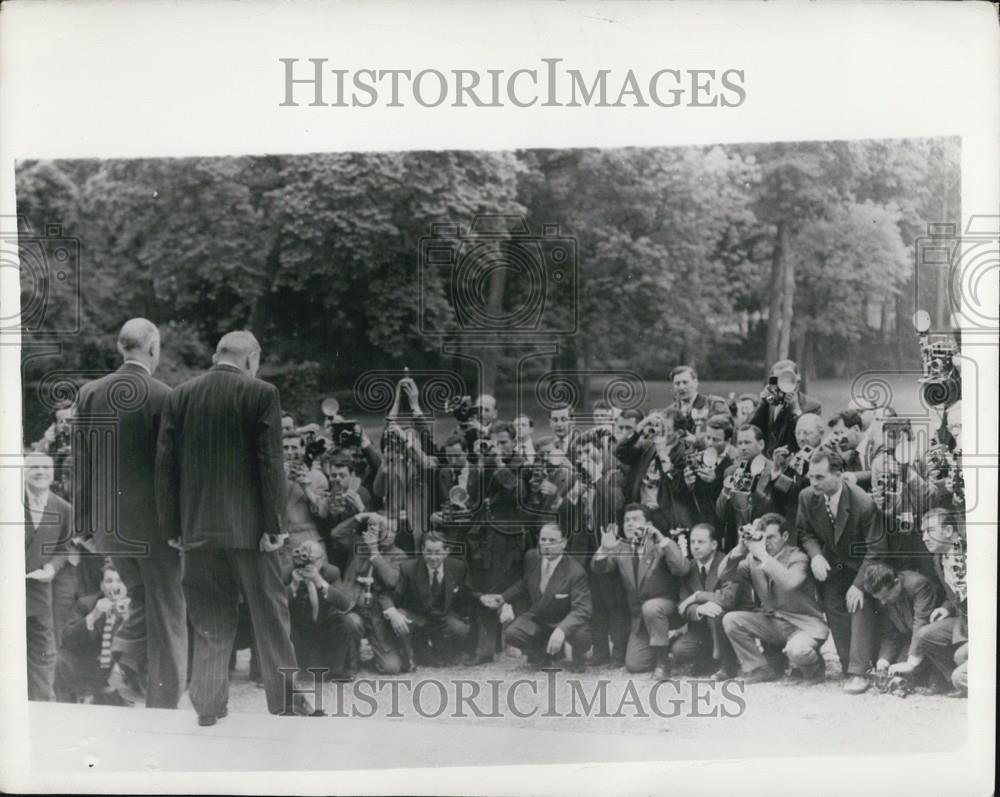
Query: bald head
{"type": "Point", "coordinates": [809, 430]}
{"type": "Point", "coordinates": [240, 349]}
{"type": "Point", "coordinates": [139, 341]}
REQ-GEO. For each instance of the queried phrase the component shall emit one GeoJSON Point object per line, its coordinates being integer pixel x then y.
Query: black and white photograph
{"type": "Point", "coordinates": [416, 458]}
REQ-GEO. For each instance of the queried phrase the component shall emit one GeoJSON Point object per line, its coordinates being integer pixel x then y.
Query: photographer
{"type": "Point", "coordinates": [945, 638]}
{"type": "Point", "coordinates": [405, 483]}
{"type": "Point", "coordinates": [943, 463]}
{"type": "Point", "coordinates": [693, 408]}
{"type": "Point", "coordinates": [475, 420]}
{"type": "Point", "coordinates": [458, 490]}
{"type": "Point", "coordinates": [745, 487]}
{"type": "Point", "coordinates": [900, 494]}
{"type": "Point", "coordinates": [781, 405]}
{"type": "Point", "coordinates": [654, 456]}
{"type": "Point", "coordinates": [906, 600]}
{"type": "Point", "coordinates": [346, 495]}
{"type": "Point", "coordinates": [561, 425]}
{"type": "Point", "coordinates": [367, 542]}
{"type": "Point", "coordinates": [57, 443]}
{"type": "Point", "coordinates": [306, 497]}
{"type": "Point", "coordinates": [350, 438]}
{"type": "Point", "coordinates": [789, 614]}
{"type": "Point", "coordinates": [846, 438]}
{"type": "Point", "coordinates": [790, 467]}
{"type": "Point", "coordinates": [704, 476]}
{"type": "Point", "coordinates": [524, 443]}
{"type": "Point", "coordinates": [593, 503]}
{"type": "Point", "coordinates": [85, 668]}
{"type": "Point", "coordinates": [548, 480]}
{"type": "Point", "coordinates": [497, 540]}
{"type": "Point", "coordinates": [650, 566]}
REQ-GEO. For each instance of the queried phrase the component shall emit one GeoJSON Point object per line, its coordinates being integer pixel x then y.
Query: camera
{"type": "Point", "coordinates": [464, 262]}
{"type": "Point", "coordinates": [484, 447]}
{"type": "Point", "coordinates": [460, 408]}
{"type": "Point", "coordinates": [941, 383]}
{"type": "Point", "coordinates": [750, 533]}
{"type": "Point", "coordinates": [345, 434]}
{"type": "Point", "coordinates": [774, 395]}
{"type": "Point", "coordinates": [888, 483]}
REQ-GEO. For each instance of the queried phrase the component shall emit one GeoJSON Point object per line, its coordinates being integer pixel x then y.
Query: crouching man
{"type": "Point", "coordinates": [424, 608]}
{"type": "Point", "coordinates": [651, 566]}
{"type": "Point", "coordinates": [558, 591]}
{"type": "Point", "coordinates": [789, 614]}
{"type": "Point", "coordinates": [85, 668]}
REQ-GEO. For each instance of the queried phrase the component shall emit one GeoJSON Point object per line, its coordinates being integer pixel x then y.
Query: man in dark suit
{"type": "Point", "coordinates": [46, 531]}
{"type": "Point", "coordinates": [705, 597]}
{"type": "Point", "coordinates": [152, 643]}
{"type": "Point", "coordinates": [220, 487]}
{"type": "Point", "coordinates": [745, 493]}
{"type": "Point", "coordinates": [840, 529]}
{"type": "Point", "coordinates": [693, 407]}
{"type": "Point", "coordinates": [425, 607]}
{"type": "Point", "coordinates": [559, 603]}
{"type": "Point", "coordinates": [367, 544]}
{"type": "Point", "coordinates": [650, 566]}
{"type": "Point", "coordinates": [777, 420]}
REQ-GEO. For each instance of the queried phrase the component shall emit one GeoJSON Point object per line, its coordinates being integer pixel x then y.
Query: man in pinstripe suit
{"type": "Point", "coordinates": [220, 488]}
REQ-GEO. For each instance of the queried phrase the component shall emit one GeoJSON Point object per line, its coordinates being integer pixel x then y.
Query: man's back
{"type": "Point", "coordinates": [132, 401]}
{"type": "Point", "coordinates": [220, 477]}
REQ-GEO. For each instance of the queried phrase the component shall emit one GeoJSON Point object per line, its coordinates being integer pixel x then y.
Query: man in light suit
{"type": "Point", "coordinates": [651, 566]}
{"type": "Point", "coordinates": [220, 488]}
{"type": "Point", "coordinates": [777, 421]}
{"type": "Point", "coordinates": [152, 643]}
{"type": "Point", "coordinates": [840, 529]}
{"type": "Point", "coordinates": [560, 607]}
{"type": "Point", "coordinates": [46, 531]}
{"type": "Point", "coordinates": [789, 614]}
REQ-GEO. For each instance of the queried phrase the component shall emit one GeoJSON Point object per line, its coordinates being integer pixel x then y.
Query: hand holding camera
{"type": "Point", "coordinates": [609, 536]}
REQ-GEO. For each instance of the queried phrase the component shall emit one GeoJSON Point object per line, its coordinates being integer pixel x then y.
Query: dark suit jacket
{"type": "Point", "coordinates": [713, 588]}
{"type": "Point", "coordinates": [781, 432]}
{"type": "Point", "coordinates": [605, 507]}
{"type": "Point", "coordinates": [566, 602]}
{"type": "Point", "coordinates": [81, 641]}
{"type": "Point", "coordinates": [956, 605]}
{"type": "Point", "coordinates": [413, 590]}
{"type": "Point", "coordinates": [444, 480]}
{"type": "Point", "coordinates": [901, 619]}
{"type": "Point", "coordinates": [660, 572]}
{"type": "Point", "coordinates": [346, 540]}
{"type": "Point", "coordinates": [220, 475]}
{"type": "Point", "coordinates": [857, 538]}
{"type": "Point", "coordinates": [636, 453]}
{"type": "Point", "coordinates": [132, 402]}
{"type": "Point", "coordinates": [44, 545]}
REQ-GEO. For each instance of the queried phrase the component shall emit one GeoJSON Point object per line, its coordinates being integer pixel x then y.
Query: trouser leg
{"type": "Point", "coordinates": [41, 656]}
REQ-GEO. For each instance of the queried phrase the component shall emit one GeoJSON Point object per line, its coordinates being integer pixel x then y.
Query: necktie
{"type": "Point", "coordinates": [104, 661]}
{"type": "Point", "coordinates": [546, 574]}
{"type": "Point", "coordinates": [635, 562]}
{"type": "Point", "coordinates": [829, 511]}
{"type": "Point", "coordinates": [704, 575]}
{"type": "Point", "coordinates": [437, 594]}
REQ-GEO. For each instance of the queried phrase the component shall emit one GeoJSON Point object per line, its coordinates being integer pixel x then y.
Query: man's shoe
{"type": "Point", "coordinates": [722, 674]}
{"type": "Point", "coordinates": [576, 665]}
{"type": "Point", "coordinates": [301, 707]}
{"type": "Point", "coordinates": [617, 660]}
{"type": "Point", "coordinates": [661, 672]}
{"type": "Point", "coordinates": [205, 720]}
{"type": "Point", "coordinates": [856, 685]}
{"type": "Point", "coordinates": [760, 675]}
{"type": "Point", "coordinates": [600, 660]}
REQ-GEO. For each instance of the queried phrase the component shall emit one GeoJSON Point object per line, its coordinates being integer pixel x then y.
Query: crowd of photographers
{"type": "Point", "coordinates": [722, 537]}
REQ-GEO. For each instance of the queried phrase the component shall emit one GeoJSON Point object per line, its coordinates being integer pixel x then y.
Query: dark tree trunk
{"type": "Point", "coordinates": [787, 296]}
{"type": "Point", "coordinates": [774, 300]}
